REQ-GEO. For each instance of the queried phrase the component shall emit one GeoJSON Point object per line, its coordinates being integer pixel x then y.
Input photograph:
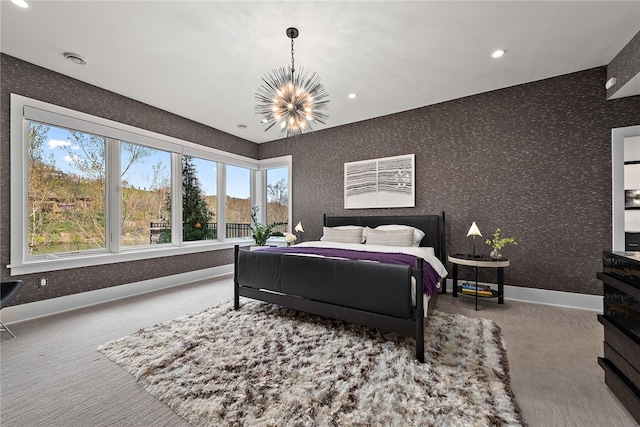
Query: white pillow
{"type": "Point", "coordinates": [417, 233]}
{"type": "Point", "coordinates": [342, 234]}
{"type": "Point", "coordinates": [402, 238]}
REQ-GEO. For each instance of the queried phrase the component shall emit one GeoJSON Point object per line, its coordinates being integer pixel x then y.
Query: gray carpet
{"type": "Point", "coordinates": [264, 365]}
{"type": "Point", "coordinates": [52, 376]}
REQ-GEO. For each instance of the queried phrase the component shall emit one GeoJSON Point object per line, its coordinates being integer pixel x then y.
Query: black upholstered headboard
{"type": "Point", "coordinates": [432, 225]}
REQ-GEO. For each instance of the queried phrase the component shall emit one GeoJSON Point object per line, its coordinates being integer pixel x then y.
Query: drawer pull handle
{"type": "Point", "coordinates": [632, 245]}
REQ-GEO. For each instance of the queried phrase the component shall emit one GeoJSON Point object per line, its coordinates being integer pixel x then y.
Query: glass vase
{"type": "Point", "coordinates": [495, 254]}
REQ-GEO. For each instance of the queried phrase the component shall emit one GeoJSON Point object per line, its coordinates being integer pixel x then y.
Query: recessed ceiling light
{"type": "Point", "coordinates": [498, 53]}
{"type": "Point", "coordinates": [242, 126]}
{"type": "Point", "coordinates": [20, 3]}
{"type": "Point", "coordinates": [75, 58]}
{"type": "Point", "coordinates": [353, 95]}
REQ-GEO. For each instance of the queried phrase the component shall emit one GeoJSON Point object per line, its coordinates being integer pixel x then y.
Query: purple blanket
{"type": "Point", "coordinates": [430, 277]}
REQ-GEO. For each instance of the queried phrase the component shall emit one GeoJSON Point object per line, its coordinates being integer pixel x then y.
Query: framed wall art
{"type": "Point", "coordinates": [387, 182]}
{"type": "Point", "coordinates": [632, 199]}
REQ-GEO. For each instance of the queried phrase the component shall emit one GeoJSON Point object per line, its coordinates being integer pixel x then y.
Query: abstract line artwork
{"type": "Point", "coordinates": [388, 182]}
{"type": "Point", "coordinates": [632, 199]}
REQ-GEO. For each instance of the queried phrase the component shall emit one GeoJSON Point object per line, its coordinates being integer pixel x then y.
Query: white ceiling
{"type": "Point", "coordinates": [204, 59]}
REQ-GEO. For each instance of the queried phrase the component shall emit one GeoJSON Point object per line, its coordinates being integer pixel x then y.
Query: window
{"type": "Point", "coordinates": [199, 201]}
{"type": "Point", "coordinates": [238, 204]}
{"type": "Point", "coordinates": [145, 182]}
{"type": "Point", "coordinates": [83, 185]}
{"type": "Point", "coordinates": [65, 190]}
{"type": "Point", "coordinates": [278, 198]}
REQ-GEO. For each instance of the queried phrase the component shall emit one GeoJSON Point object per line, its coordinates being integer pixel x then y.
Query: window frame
{"type": "Point", "coordinates": [177, 196]}
{"type": "Point", "coordinates": [265, 166]}
{"type": "Point", "coordinates": [261, 185]}
{"type": "Point", "coordinates": [24, 109]}
{"type": "Point", "coordinates": [117, 195]}
{"type": "Point", "coordinates": [251, 198]}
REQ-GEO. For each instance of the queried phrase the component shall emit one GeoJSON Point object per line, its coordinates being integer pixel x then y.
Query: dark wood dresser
{"type": "Point", "coordinates": [621, 319]}
{"type": "Point", "coordinates": [631, 241]}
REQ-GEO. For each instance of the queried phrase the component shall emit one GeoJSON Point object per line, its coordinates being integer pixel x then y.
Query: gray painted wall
{"type": "Point", "coordinates": [35, 82]}
{"type": "Point", "coordinates": [533, 160]}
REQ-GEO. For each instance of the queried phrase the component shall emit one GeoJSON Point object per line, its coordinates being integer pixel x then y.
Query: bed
{"type": "Point", "coordinates": [350, 280]}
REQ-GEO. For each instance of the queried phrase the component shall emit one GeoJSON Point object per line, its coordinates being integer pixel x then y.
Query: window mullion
{"type": "Point", "coordinates": [19, 187]}
{"type": "Point", "coordinates": [113, 194]}
{"type": "Point", "coordinates": [259, 195]}
{"type": "Point", "coordinates": [290, 199]}
{"type": "Point", "coordinates": [221, 214]}
{"type": "Point", "coordinates": [176, 199]}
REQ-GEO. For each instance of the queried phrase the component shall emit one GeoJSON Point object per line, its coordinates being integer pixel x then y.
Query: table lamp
{"type": "Point", "coordinates": [474, 231]}
{"type": "Point", "coordinates": [299, 229]}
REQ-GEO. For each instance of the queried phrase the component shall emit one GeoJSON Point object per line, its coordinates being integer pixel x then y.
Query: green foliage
{"type": "Point", "coordinates": [66, 210]}
{"type": "Point", "coordinates": [261, 232]}
{"type": "Point", "coordinates": [498, 242]}
{"type": "Point", "coordinates": [278, 205]}
{"type": "Point", "coordinates": [165, 236]}
{"type": "Point", "coordinates": [196, 218]}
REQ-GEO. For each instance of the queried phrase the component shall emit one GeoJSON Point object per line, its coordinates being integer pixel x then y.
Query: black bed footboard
{"type": "Point", "coordinates": [370, 294]}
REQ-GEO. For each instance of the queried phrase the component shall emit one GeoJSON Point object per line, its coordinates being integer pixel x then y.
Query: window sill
{"type": "Point", "coordinates": [88, 260]}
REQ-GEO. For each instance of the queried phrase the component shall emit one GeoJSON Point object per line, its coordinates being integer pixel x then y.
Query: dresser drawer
{"type": "Point", "coordinates": [632, 241]}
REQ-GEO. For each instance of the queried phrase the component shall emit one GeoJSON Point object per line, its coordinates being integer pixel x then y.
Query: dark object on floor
{"type": "Point", "coordinates": [9, 291]}
{"type": "Point", "coordinates": [621, 319]}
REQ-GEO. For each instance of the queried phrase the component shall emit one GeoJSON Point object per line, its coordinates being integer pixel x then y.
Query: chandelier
{"type": "Point", "coordinates": [294, 100]}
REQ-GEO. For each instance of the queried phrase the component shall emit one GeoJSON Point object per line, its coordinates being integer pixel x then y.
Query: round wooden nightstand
{"type": "Point", "coordinates": [479, 261]}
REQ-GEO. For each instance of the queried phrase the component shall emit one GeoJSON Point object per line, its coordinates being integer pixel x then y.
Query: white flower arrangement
{"type": "Point", "coordinates": [290, 238]}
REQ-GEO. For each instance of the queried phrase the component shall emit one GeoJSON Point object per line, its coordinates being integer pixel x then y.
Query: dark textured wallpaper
{"type": "Point", "coordinates": [533, 160]}
{"type": "Point", "coordinates": [35, 82]}
{"type": "Point", "coordinates": [625, 66]}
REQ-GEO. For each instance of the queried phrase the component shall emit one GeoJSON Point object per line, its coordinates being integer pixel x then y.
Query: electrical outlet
{"type": "Point", "coordinates": [43, 282]}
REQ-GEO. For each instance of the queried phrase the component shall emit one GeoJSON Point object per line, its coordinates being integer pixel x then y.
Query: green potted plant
{"type": "Point", "coordinates": [259, 231]}
{"type": "Point", "coordinates": [497, 243]}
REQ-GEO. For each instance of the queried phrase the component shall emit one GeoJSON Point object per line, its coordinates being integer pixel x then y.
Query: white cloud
{"type": "Point", "coordinates": [56, 143]}
{"type": "Point", "coordinates": [71, 158]}
{"type": "Point", "coordinates": [75, 147]}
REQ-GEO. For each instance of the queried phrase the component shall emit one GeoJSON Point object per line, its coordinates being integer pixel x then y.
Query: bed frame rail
{"type": "Point", "coordinates": [408, 327]}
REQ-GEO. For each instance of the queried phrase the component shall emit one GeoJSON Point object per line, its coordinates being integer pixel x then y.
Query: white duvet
{"type": "Point", "coordinates": [427, 254]}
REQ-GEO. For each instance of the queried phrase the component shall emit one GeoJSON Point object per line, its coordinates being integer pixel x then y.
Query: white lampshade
{"type": "Point", "coordinates": [474, 230]}
{"type": "Point", "coordinates": [299, 227]}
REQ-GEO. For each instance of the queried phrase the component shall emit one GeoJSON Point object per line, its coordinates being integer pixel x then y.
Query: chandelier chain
{"type": "Point", "coordinates": [293, 69]}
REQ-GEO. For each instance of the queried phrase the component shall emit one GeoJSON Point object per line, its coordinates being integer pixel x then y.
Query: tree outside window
{"type": "Point", "coordinates": [66, 190]}
{"type": "Point", "coordinates": [278, 198]}
{"type": "Point", "coordinates": [197, 212]}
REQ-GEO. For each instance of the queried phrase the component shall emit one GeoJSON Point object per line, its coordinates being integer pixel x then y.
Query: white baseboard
{"type": "Point", "coordinates": [34, 310]}
{"type": "Point", "coordinates": [547, 297]}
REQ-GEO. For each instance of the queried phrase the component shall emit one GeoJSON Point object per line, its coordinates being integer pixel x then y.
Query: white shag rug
{"type": "Point", "coordinates": [268, 366]}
